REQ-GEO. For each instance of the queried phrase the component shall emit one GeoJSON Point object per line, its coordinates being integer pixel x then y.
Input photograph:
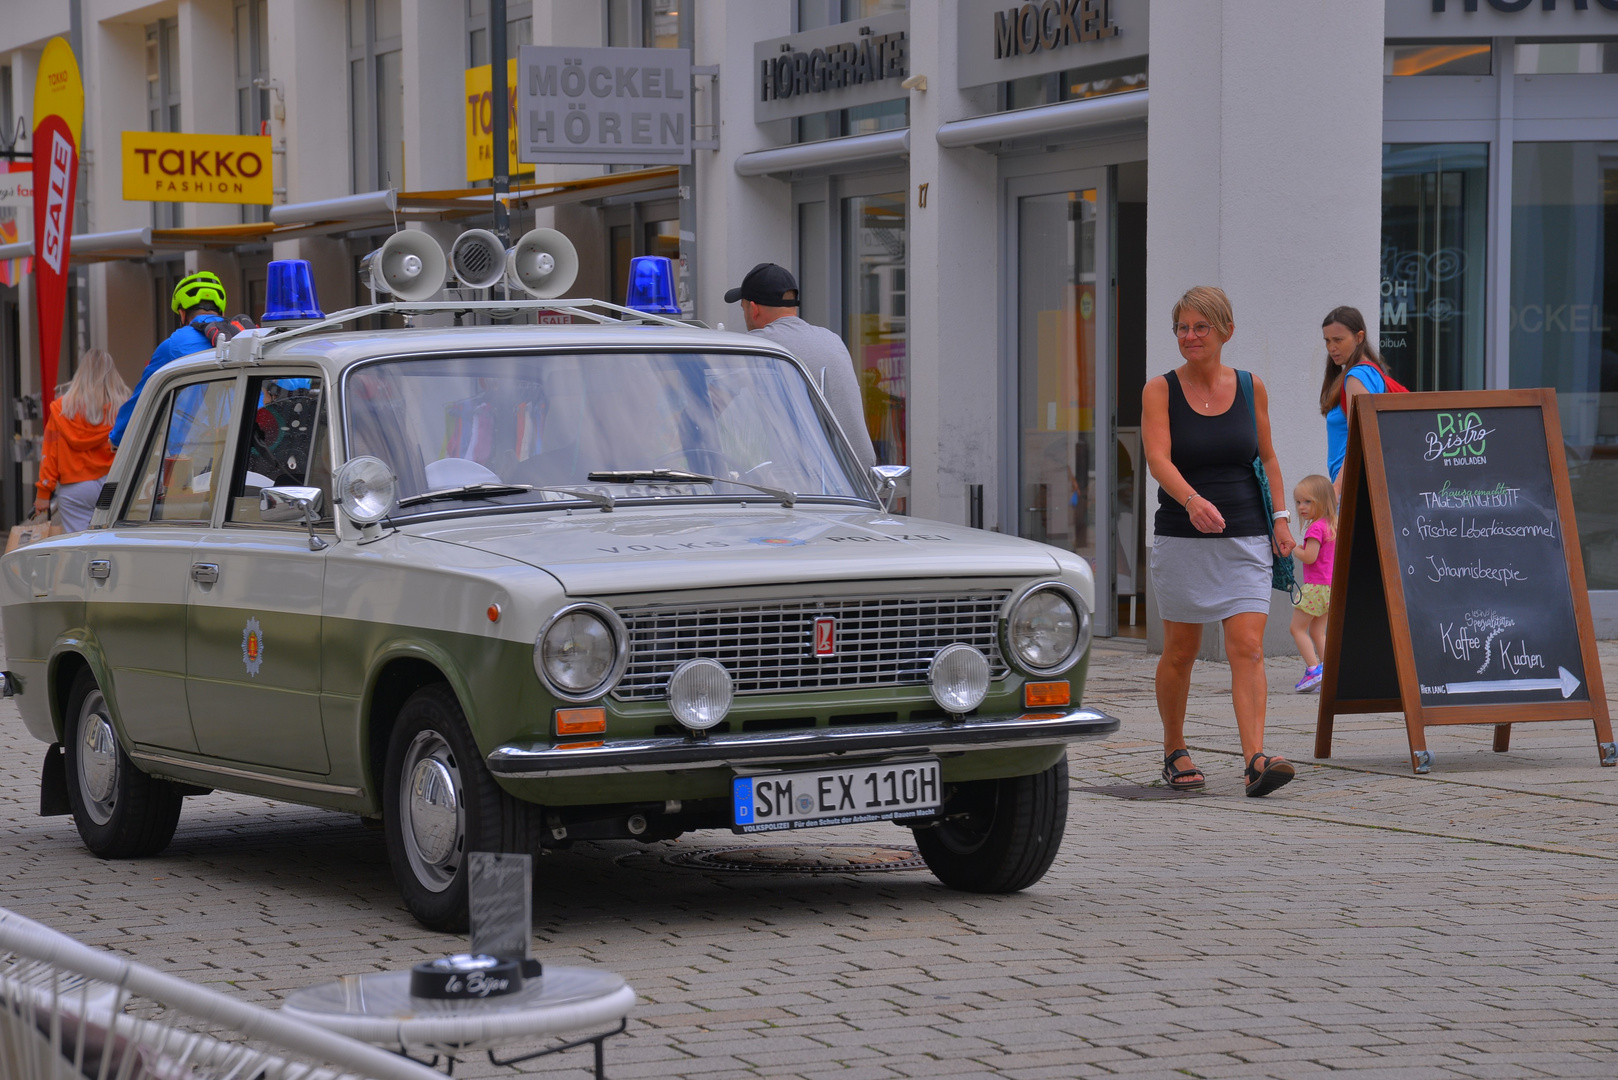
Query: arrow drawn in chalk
{"type": "Point", "coordinates": [1567, 683]}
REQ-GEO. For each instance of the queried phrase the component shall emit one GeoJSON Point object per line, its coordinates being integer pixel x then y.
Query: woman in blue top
{"type": "Point", "coordinates": [1352, 366]}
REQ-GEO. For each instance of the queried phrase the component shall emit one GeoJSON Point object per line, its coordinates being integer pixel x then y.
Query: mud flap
{"type": "Point", "coordinates": [53, 784]}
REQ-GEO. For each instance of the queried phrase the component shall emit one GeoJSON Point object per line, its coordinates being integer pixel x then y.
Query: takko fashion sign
{"type": "Point", "coordinates": [836, 67]}
{"type": "Point", "coordinates": [1000, 40]}
{"type": "Point", "coordinates": [603, 106]}
{"type": "Point", "coordinates": [166, 166]}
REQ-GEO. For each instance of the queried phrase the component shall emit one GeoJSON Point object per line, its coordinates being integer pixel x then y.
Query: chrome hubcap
{"type": "Point", "coordinates": [98, 759]}
{"type": "Point", "coordinates": [435, 827]}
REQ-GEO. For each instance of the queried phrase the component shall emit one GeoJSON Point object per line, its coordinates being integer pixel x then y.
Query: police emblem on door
{"type": "Point", "coordinates": [252, 647]}
{"type": "Point", "coordinates": [826, 636]}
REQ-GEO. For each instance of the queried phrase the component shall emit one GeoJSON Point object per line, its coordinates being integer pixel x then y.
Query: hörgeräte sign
{"type": "Point", "coordinates": [1458, 590]}
{"type": "Point", "coordinates": [842, 66]}
{"type": "Point", "coordinates": [169, 166]}
{"type": "Point", "coordinates": [603, 106]}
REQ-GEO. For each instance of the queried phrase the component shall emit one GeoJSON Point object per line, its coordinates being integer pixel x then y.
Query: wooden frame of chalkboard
{"type": "Point", "coordinates": [1479, 477]}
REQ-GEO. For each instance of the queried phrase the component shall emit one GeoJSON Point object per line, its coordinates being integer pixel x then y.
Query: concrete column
{"type": "Point", "coordinates": [309, 54]}
{"type": "Point", "coordinates": [120, 305]}
{"type": "Point", "coordinates": [1264, 178]}
{"type": "Point", "coordinates": [741, 221]}
{"type": "Point", "coordinates": [434, 85]}
{"type": "Point", "coordinates": [954, 268]}
{"type": "Point", "coordinates": [207, 70]}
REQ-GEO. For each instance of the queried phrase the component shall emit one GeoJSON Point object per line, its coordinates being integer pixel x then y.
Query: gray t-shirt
{"type": "Point", "coordinates": [828, 361]}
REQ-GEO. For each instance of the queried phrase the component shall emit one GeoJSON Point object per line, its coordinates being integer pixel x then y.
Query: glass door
{"type": "Point", "coordinates": [1064, 413]}
{"type": "Point", "coordinates": [874, 315]}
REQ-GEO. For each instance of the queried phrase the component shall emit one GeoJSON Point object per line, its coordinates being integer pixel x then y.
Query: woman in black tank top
{"type": "Point", "coordinates": [1212, 556]}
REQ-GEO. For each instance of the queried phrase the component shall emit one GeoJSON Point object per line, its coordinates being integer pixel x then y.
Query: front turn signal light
{"type": "Point", "coordinates": [1042, 695]}
{"type": "Point", "coordinates": [581, 721]}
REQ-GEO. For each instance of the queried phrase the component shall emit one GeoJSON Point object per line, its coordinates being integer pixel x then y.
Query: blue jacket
{"type": "Point", "coordinates": [183, 342]}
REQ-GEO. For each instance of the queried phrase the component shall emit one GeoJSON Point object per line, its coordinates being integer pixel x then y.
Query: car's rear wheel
{"type": "Point", "coordinates": [121, 813]}
{"type": "Point", "coordinates": [998, 836]}
{"type": "Point", "coordinates": [440, 805]}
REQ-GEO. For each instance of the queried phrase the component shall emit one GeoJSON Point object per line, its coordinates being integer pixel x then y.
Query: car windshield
{"type": "Point", "coordinates": [558, 427]}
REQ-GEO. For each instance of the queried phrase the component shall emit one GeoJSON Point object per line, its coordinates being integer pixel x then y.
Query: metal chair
{"type": "Point", "coordinates": [69, 1012]}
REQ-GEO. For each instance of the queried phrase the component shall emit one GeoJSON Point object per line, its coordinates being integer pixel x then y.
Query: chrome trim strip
{"type": "Point", "coordinates": [244, 774]}
{"type": "Point", "coordinates": [519, 761]}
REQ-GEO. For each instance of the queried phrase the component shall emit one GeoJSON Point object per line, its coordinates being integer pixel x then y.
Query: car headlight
{"type": "Point", "coordinates": [958, 678]}
{"type": "Point", "coordinates": [581, 652]}
{"type": "Point", "coordinates": [1048, 629]}
{"type": "Point", "coordinates": [366, 489]}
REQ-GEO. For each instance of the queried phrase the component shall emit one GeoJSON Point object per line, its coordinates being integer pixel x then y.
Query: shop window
{"type": "Point", "coordinates": [1564, 320]}
{"type": "Point", "coordinates": [814, 14]}
{"type": "Point", "coordinates": [644, 24]}
{"type": "Point", "coordinates": [252, 78]}
{"type": "Point", "coordinates": [376, 94]}
{"type": "Point", "coordinates": [163, 101]}
{"type": "Point", "coordinates": [1434, 249]}
{"type": "Point", "coordinates": [1076, 84]}
{"type": "Point", "coordinates": [862, 120]}
{"type": "Point", "coordinates": [874, 260]}
{"type": "Point", "coordinates": [1400, 58]}
{"type": "Point", "coordinates": [519, 30]}
{"type": "Point", "coordinates": [1567, 58]}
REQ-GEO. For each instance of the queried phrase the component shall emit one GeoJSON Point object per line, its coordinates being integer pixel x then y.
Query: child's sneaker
{"type": "Point", "coordinates": [1310, 683]}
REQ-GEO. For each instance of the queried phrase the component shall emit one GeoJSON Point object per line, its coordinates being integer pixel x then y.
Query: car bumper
{"type": "Point", "coordinates": [523, 761]}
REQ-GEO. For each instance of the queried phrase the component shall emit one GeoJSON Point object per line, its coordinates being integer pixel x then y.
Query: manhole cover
{"type": "Point", "coordinates": [804, 859]}
{"type": "Point", "coordinates": [1138, 792]}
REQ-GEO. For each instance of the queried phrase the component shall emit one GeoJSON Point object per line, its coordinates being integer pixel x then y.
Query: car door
{"type": "Point", "coordinates": [140, 567]}
{"type": "Point", "coordinates": [253, 660]}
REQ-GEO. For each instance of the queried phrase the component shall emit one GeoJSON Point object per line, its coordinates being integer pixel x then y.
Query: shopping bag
{"type": "Point", "coordinates": [32, 532]}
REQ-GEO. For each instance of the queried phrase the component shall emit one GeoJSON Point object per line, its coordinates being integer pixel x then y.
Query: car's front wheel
{"type": "Point", "coordinates": [121, 813]}
{"type": "Point", "coordinates": [440, 805]}
{"type": "Point", "coordinates": [998, 836]}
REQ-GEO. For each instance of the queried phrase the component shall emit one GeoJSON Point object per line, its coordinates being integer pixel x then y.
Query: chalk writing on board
{"type": "Point", "coordinates": [1454, 498]}
{"type": "Point", "coordinates": [1475, 529]}
{"type": "Point", "coordinates": [1441, 570]}
{"type": "Point", "coordinates": [1459, 439]}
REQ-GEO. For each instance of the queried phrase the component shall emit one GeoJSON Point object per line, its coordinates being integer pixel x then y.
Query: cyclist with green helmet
{"type": "Point", "coordinates": [198, 299]}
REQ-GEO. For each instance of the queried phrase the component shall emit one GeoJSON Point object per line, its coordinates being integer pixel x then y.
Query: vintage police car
{"type": "Point", "coordinates": [503, 587]}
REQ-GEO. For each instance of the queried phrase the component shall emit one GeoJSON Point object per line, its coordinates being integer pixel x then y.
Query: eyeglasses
{"type": "Point", "coordinates": [1200, 329]}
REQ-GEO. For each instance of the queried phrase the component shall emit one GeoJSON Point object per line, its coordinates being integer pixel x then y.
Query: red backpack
{"type": "Point", "coordinates": [1394, 386]}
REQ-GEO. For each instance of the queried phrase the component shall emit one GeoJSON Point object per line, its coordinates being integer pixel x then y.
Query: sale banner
{"type": "Point", "coordinates": [58, 122]}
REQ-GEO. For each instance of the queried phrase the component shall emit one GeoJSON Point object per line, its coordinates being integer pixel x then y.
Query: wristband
{"type": "Point", "coordinates": [1187, 504]}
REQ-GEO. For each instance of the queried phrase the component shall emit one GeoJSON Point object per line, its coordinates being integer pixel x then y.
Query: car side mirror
{"type": "Point", "coordinates": [282, 505]}
{"type": "Point", "coordinates": [887, 482]}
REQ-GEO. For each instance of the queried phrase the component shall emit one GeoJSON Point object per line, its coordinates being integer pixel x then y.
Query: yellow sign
{"type": "Point", "coordinates": [164, 166]}
{"type": "Point", "coordinates": [480, 123]}
{"type": "Point", "coordinates": [58, 91]}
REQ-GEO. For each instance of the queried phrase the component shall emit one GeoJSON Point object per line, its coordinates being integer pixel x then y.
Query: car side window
{"type": "Point", "coordinates": [185, 454]}
{"type": "Point", "coordinates": [285, 443]}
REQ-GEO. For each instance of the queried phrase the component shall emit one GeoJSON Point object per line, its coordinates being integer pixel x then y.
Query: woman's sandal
{"type": "Point", "coordinates": [1277, 772]}
{"type": "Point", "coordinates": [1177, 778]}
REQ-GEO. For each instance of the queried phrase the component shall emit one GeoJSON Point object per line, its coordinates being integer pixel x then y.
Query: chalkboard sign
{"type": "Point", "coordinates": [1458, 590]}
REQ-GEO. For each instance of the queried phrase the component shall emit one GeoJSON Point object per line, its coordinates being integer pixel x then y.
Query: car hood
{"type": "Point", "coordinates": [630, 550]}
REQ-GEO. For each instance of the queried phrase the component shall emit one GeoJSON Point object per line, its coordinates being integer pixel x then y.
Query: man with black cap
{"type": "Point", "coordinates": [769, 298]}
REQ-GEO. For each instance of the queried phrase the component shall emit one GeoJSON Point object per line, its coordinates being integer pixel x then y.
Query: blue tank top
{"type": "Point", "coordinates": [1337, 422]}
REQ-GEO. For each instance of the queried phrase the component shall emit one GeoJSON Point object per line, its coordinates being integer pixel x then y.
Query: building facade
{"type": "Point", "coordinates": [994, 203]}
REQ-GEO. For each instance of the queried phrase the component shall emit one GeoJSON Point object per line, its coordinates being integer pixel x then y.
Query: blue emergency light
{"type": "Point", "coordinates": [651, 285]}
{"type": "Point", "coordinates": [290, 293]}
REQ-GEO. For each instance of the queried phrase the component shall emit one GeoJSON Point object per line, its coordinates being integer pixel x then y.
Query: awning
{"type": "Point", "coordinates": [826, 155]}
{"type": "Point", "coordinates": [351, 212]}
{"type": "Point", "coordinates": [1044, 121]}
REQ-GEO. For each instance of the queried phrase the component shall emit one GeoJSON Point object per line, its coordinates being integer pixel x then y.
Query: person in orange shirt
{"type": "Point", "coordinates": [76, 454]}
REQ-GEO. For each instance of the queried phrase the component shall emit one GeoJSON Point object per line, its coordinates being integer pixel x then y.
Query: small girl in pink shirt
{"type": "Point", "coordinates": [1317, 512]}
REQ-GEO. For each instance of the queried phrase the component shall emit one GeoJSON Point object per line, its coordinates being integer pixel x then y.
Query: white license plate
{"type": "Point", "coordinates": [892, 791]}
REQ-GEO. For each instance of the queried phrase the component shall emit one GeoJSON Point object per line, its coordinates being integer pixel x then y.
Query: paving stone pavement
{"type": "Point", "coordinates": [1360, 922]}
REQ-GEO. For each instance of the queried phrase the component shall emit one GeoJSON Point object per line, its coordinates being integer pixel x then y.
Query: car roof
{"type": "Point", "coordinates": [336, 349]}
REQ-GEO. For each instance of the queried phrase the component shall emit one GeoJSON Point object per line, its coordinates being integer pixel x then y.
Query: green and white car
{"type": "Point", "coordinates": [505, 587]}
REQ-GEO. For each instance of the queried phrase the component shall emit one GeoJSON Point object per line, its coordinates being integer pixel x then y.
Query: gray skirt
{"type": "Point", "coordinates": [1209, 579]}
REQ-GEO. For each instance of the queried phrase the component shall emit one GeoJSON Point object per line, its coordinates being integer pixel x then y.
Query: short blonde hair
{"type": "Point", "coordinates": [1211, 303]}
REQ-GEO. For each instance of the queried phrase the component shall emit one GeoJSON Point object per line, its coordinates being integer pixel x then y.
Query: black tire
{"type": "Point", "coordinates": [460, 809]}
{"type": "Point", "coordinates": [121, 813]}
{"type": "Point", "coordinates": [998, 836]}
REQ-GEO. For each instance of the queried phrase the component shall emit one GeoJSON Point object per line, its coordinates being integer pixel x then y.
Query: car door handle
{"type": "Point", "coordinates": [205, 573]}
{"type": "Point", "coordinates": [100, 569]}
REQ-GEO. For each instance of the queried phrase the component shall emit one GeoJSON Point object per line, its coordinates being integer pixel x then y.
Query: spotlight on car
{"type": "Point", "coordinates": [366, 489]}
{"type": "Point", "coordinates": [700, 692]}
{"type": "Point", "coordinates": [958, 678]}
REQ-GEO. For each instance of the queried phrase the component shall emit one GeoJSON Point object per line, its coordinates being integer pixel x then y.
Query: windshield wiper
{"type": "Point", "coordinates": [487, 491]}
{"type": "Point", "coordinates": [677, 476]}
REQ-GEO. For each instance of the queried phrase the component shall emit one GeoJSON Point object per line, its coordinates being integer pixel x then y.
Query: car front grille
{"type": "Point", "coordinates": [769, 647]}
